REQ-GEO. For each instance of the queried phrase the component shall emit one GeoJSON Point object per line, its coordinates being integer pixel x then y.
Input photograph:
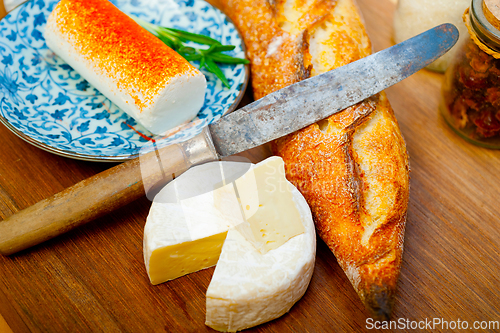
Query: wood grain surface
{"type": "Point", "coordinates": [2, 9]}
{"type": "Point", "coordinates": [93, 279]}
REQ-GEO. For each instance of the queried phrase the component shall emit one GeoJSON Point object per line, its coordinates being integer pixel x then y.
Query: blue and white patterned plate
{"type": "Point", "coordinates": [45, 102]}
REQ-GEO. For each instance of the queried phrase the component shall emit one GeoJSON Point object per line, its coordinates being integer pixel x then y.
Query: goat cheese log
{"type": "Point", "coordinates": [352, 167]}
{"type": "Point", "coordinates": [134, 69]}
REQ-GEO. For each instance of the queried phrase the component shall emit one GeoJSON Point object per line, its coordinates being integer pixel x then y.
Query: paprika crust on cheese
{"type": "Point", "coordinates": [133, 68]}
{"type": "Point", "coordinates": [352, 167]}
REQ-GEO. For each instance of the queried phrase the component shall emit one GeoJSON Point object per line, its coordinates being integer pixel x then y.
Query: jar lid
{"type": "Point", "coordinates": [486, 33]}
{"type": "Point", "coordinates": [491, 10]}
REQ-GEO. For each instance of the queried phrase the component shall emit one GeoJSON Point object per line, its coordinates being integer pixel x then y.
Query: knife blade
{"type": "Point", "coordinates": [273, 116]}
{"type": "Point", "coordinates": [299, 105]}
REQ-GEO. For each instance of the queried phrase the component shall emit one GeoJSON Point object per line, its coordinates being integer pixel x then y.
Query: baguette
{"type": "Point", "coordinates": [352, 167]}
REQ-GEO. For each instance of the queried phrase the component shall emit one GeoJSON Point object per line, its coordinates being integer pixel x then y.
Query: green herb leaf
{"type": "Point", "coordinates": [170, 43]}
{"type": "Point", "coordinates": [196, 38]}
{"type": "Point", "coordinates": [194, 57]}
{"type": "Point", "coordinates": [227, 59]}
{"type": "Point", "coordinates": [221, 48]}
{"type": "Point", "coordinates": [187, 50]}
{"type": "Point", "coordinates": [212, 67]}
{"type": "Point", "coordinates": [177, 39]}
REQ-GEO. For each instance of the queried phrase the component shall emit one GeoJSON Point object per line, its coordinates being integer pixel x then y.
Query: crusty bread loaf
{"type": "Point", "coordinates": [352, 168]}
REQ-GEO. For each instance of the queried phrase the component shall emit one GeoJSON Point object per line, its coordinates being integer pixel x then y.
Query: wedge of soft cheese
{"type": "Point", "coordinates": [230, 226]}
{"type": "Point", "coordinates": [127, 64]}
{"type": "Point", "coordinates": [249, 288]}
{"type": "Point", "coordinates": [187, 224]}
{"type": "Point", "coordinates": [267, 202]}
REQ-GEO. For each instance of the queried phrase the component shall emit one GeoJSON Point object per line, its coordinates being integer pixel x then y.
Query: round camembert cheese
{"type": "Point", "coordinates": [257, 229]}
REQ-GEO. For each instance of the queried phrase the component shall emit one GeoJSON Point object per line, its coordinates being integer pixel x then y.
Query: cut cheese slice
{"type": "Point", "coordinates": [249, 288]}
{"type": "Point", "coordinates": [266, 199]}
{"type": "Point", "coordinates": [184, 234]}
{"type": "Point", "coordinates": [134, 69]}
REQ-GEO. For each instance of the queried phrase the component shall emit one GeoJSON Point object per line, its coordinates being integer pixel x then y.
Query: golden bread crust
{"type": "Point", "coordinates": [353, 172]}
{"type": "Point", "coordinates": [352, 167]}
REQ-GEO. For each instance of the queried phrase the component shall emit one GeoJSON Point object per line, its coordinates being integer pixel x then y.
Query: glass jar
{"type": "Point", "coordinates": [471, 89]}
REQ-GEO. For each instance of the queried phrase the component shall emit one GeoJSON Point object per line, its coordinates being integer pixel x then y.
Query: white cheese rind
{"type": "Point", "coordinates": [176, 104]}
{"type": "Point", "coordinates": [249, 288]}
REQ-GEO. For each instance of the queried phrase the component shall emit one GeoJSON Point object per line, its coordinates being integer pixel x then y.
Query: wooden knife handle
{"type": "Point", "coordinates": [102, 193]}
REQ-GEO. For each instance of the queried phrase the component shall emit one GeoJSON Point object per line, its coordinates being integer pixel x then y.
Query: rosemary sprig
{"type": "Point", "coordinates": [208, 57]}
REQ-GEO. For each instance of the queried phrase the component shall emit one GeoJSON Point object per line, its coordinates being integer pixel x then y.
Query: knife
{"type": "Point", "coordinates": [275, 115]}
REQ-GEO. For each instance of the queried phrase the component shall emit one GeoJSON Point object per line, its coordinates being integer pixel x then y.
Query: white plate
{"type": "Point", "coordinates": [45, 102]}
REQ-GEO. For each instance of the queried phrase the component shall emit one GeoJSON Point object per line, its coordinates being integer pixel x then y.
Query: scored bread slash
{"type": "Point", "coordinates": [134, 69]}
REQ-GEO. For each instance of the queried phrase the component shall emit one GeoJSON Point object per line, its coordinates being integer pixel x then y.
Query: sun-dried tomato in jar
{"type": "Point", "coordinates": [471, 90]}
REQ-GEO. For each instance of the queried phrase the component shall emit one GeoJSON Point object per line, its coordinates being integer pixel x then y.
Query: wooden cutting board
{"type": "Point", "coordinates": [93, 279]}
